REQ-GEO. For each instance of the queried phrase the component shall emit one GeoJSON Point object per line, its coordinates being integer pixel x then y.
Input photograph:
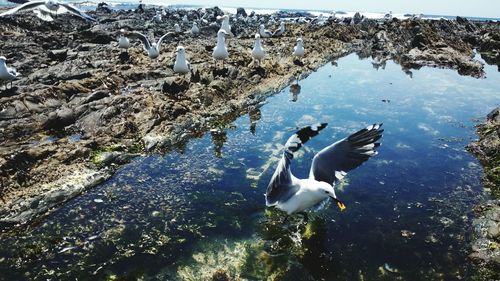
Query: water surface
{"type": "Point", "coordinates": [187, 214]}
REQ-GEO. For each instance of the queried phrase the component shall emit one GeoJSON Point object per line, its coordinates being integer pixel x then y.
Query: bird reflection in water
{"type": "Point", "coordinates": [219, 137]}
{"type": "Point", "coordinates": [255, 116]}
{"type": "Point", "coordinates": [294, 91]}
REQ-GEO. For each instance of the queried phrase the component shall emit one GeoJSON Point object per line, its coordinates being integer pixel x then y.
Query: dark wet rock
{"type": "Point", "coordinates": [59, 55]}
{"type": "Point", "coordinates": [357, 18]}
{"type": "Point", "coordinates": [241, 12]}
{"type": "Point", "coordinates": [175, 85]}
{"type": "Point", "coordinates": [59, 119]}
{"type": "Point", "coordinates": [486, 243]}
{"type": "Point", "coordinates": [487, 150]}
{"type": "Point", "coordinates": [103, 8]}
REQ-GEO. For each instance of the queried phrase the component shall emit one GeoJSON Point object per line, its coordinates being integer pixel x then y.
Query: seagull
{"type": "Point", "coordinates": [157, 17]}
{"type": "Point", "coordinates": [298, 50]}
{"type": "Point", "coordinates": [50, 6]}
{"type": "Point", "coordinates": [177, 28]}
{"type": "Point", "coordinates": [123, 42]}
{"type": "Point", "coordinates": [264, 33]}
{"type": "Point", "coordinates": [195, 29]}
{"type": "Point", "coordinates": [388, 16]}
{"type": "Point", "coordinates": [329, 166]}
{"type": "Point", "coordinates": [225, 25]}
{"type": "Point", "coordinates": [220, 51]}
{"type": "Point", "coordinates": [181, 65]}
{"type": "Point", "coordinates": [258, 52]}
{"type": "Point", "coordinates": [280, 30]}
{"type": "Point", "coordinates": [153, 49]}
{"type": "Point", "coordinates": [185, 19]}
{"type": "Point", "coordinates": [6, 73]}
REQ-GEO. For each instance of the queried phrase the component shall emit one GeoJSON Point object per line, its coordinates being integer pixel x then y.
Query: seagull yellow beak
{"type": "Point", "coordinates": [340, 204]}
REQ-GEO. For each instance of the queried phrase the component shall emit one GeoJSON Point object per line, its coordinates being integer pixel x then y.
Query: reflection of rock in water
{"type": "Point", "coordinates": [379, 63]}
{"type": "Point", "coordinates": [218, 139]}
{"type": "Point", "coordinates": [408, 72]}
{"type": "Point", "coordinates": [294, 91]}
{"type": "Point", "coordinates": [255, 116]}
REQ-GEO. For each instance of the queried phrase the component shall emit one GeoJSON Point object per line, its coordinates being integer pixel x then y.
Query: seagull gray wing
{"type": "Point", "coordinates": [333, 162]}
{"type": "Point", "coordinates": [75, 11]}
{"type": "Point", "coordinates": [168, 34]}
{"type": "Point", "coordinates": [268, 32]}
{"type": "Point", "coordinates": [24, 7]}
{"type": "Point", "coordinates": [280, 187]}
{"type": "Point", "coordinates": [143, 38]}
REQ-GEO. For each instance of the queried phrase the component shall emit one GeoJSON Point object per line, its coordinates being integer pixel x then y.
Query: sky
{"type": "Point", "coordinates": [473, 8]}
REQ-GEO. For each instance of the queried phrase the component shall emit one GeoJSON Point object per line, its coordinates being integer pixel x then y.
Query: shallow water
{"type": "Point", "coordinates": [184, 215]}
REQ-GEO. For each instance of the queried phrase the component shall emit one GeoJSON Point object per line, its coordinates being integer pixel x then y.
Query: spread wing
{"type": "Point", "coordinates": [332, 163]}
{"type": "Point", "coordinates": [24, 7]}
{"type": "Point", "coordinates": [75, 11]}
{"type": "Point", "coordinates": [142, 37]}
{"type": "Point", "coordinates": [280, 187]}
{"type": "Point", "coordinates": [168, 34]}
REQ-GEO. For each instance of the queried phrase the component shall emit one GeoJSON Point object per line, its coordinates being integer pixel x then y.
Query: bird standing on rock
{"type": "Point", "coordinates": [181, 65]}
{"type": "Point", "coordinates": [157, 17]}
{"type": "Point", "coordinates": [6, 73]}
{"type": "Point", "coordinates": [195, 29]}
{"type": "Point", "coordinates": [225, 25]}
{"type": "Point", "coordinates": [280, 30]}
{"type": "Point", "coordinates": [264, 33]}
{"type": "Point", "coordinates": [153, 49]}
{"type": "Point", "coordinates": [258, 52]}
{"type": "Point", "coordinates": [177, 28]}
{"type": "Point", "coordinates": [123, 42]}
{"type": "Point", "coordinates": [220, 51]}
{"type": "Point", "coordinates": [298, 50]}
{"type": "Point", "coordinates": [50, 6]}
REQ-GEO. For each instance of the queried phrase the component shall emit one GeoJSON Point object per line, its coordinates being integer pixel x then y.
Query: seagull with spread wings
{"type": "Point", "coordinates": [153, 49]}
{"type": "Point", "coordinates": [329, 166]}
{"type": "Point", "coordinates": [51, 6]}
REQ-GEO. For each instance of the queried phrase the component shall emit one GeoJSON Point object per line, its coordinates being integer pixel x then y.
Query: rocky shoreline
{"type": "Point", "coordinates": [83, 108]}
{"type": "Point", "coordinates": [486, 241]}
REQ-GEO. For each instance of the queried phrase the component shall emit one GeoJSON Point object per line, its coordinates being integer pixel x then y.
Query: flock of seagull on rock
{"type": "Point", "coordinates": [285, 191]}
{"type": "Point", "coordinates": [45, 9]}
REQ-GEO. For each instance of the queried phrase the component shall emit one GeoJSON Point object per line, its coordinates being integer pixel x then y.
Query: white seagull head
{"type": "Point", "coordinates": [180, 50]}
{"type": "Point", "coordinates": [222, 33]}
